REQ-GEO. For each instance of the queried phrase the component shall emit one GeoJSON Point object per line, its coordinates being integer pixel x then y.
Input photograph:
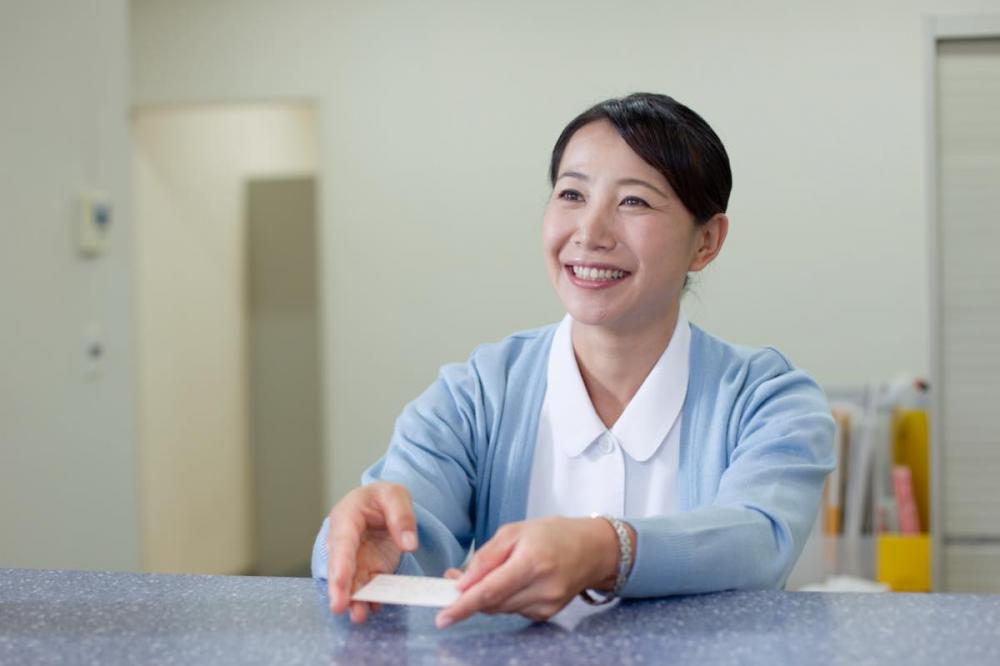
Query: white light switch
{"type": "Point", "coordinates": [94, 223]}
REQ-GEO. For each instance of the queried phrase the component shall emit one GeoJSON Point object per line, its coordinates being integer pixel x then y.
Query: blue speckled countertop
{"type": "Point", "coordinates": [109, 618]}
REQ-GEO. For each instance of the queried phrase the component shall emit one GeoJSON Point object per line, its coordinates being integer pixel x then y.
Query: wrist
{"type": "Point", "coordinates": [607, 549]}
{"type": "Point", "coordinates": [625, 536]}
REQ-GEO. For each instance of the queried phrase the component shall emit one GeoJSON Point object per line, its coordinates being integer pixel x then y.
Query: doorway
{"type": "Point", "coordinates": [229, 343]}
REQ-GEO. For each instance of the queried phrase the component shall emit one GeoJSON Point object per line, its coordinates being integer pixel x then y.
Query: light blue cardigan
{"type": "Point", "coordinates": [756, 444]}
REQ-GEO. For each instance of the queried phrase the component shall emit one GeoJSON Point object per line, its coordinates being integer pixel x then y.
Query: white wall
{"type": "Point", "coordinates": [67, 444]}
{"type": "Point", "coordinates": [190, 171]}
{"type": "Point", "coordinates": [438, 118]}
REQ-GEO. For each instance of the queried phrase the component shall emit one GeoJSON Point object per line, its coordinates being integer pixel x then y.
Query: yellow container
{"type": "Point", "coordinates": [903, 562]}
{"type": "Point", "coordinates": [910, 438]}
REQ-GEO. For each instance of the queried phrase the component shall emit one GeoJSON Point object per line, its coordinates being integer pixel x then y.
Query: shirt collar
{"type": "Point", "coordinates": [647, 418]}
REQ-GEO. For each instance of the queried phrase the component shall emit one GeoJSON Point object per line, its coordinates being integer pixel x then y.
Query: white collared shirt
{"type": "Point", "coordinates": [630, 470]}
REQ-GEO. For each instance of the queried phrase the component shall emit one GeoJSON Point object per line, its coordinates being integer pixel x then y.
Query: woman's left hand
{"type": "Point", "coordinates": [535, 568]}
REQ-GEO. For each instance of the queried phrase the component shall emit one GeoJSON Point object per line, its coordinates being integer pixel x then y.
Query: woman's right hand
{"type": "Point", "coordinates": [369, 530]}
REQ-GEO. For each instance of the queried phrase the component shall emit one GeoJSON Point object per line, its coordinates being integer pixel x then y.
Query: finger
{"type": "Point", "coordinates": [532, 604]}
{"type": "Point", "coordinates": [489, 594]}
{"type": "Point", "coordinates": [493, 553]}
{"type": "Point", "coordinates": [359, 611]}
{"type": "Point", "coordinates": [343, 540]}
{"type": "Point", "coordinates": [397, 509]}
{"type": "Point", "coordinates": [342, 568]}
{"type": "Point", "coordinates": [453, 574]}
{"type": "Point", "coordinates": [542, 612]}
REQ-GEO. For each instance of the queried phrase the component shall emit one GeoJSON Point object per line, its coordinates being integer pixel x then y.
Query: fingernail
{"type": "Point", "coordinates": [443, 621]}
{"type": "Point", "coordinates": [409, 540]}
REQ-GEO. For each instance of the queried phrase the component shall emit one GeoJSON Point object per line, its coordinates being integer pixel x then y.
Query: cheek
{"type": "Point", "coordinates": [662, 253]}
{"type": "Point", "coordinates": [553, 234]}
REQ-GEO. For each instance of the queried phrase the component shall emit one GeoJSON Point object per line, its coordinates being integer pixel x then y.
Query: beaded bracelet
{"type": "Point", "coordinates": [625, 554]}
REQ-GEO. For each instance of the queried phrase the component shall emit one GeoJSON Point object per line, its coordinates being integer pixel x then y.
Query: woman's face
{"type": "Point", "coordinates": [618, 242]}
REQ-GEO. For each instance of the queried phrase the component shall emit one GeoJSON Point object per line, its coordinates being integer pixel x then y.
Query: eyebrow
{"type": "Point", "coordinates": [624, 181]}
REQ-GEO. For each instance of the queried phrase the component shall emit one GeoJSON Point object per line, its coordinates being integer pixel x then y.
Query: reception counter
{"type": "Point", "coordinates": [123, 618]}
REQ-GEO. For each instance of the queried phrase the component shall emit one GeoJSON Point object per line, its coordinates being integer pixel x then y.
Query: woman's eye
{"type": "Point", "coordinates": [571, 195]}
{"type": "Point", "coordinates": [634, 201]}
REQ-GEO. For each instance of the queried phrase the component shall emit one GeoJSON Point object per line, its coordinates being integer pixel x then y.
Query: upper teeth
{"type": "Point", "coordinates": [597, 273]}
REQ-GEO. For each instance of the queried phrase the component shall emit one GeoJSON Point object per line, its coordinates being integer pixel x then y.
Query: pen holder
{"type": "Point", "coordinates": [903, 562]}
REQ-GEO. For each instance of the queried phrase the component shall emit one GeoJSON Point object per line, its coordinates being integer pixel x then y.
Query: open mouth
{"type": "Point", "coordinates": [596, 275]}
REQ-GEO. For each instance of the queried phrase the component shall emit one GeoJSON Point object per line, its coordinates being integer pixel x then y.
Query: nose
{"type": "Point", "coordinates": [593, 229]}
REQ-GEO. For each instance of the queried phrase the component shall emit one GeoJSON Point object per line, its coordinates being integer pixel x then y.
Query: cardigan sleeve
{"type": "Point", "coordinates": [432, 454]}
{"type": "Point", "coordinates": [768, 497]}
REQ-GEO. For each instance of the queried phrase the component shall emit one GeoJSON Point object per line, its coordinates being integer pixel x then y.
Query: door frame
{"type": "Point", "coordinates": [317, 105]}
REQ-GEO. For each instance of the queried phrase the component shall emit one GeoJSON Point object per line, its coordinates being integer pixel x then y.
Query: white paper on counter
{"type": "Point", "coordinates": [408, 590]}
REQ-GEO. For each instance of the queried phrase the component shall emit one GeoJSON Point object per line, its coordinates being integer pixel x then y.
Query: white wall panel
{"type": "Point", "coordinates": [968, 115]}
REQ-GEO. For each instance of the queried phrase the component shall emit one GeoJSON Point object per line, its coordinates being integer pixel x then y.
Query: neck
{"type": "Point", "coordinates": [614, 363]}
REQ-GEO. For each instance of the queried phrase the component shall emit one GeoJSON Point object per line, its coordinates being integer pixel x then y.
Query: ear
{"type": "Point", "coordinates": [709, 238]}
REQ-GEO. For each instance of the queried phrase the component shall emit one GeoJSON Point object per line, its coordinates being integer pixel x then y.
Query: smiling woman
{"type": "Point", "coordinates": [621, 452]}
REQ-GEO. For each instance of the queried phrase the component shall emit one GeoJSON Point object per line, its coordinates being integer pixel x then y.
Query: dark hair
{"type": "Point", "coordinates": [673, 139]}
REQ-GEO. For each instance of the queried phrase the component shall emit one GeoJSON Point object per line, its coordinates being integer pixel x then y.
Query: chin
{"type": "Point", "coordinates": [592, 316]}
